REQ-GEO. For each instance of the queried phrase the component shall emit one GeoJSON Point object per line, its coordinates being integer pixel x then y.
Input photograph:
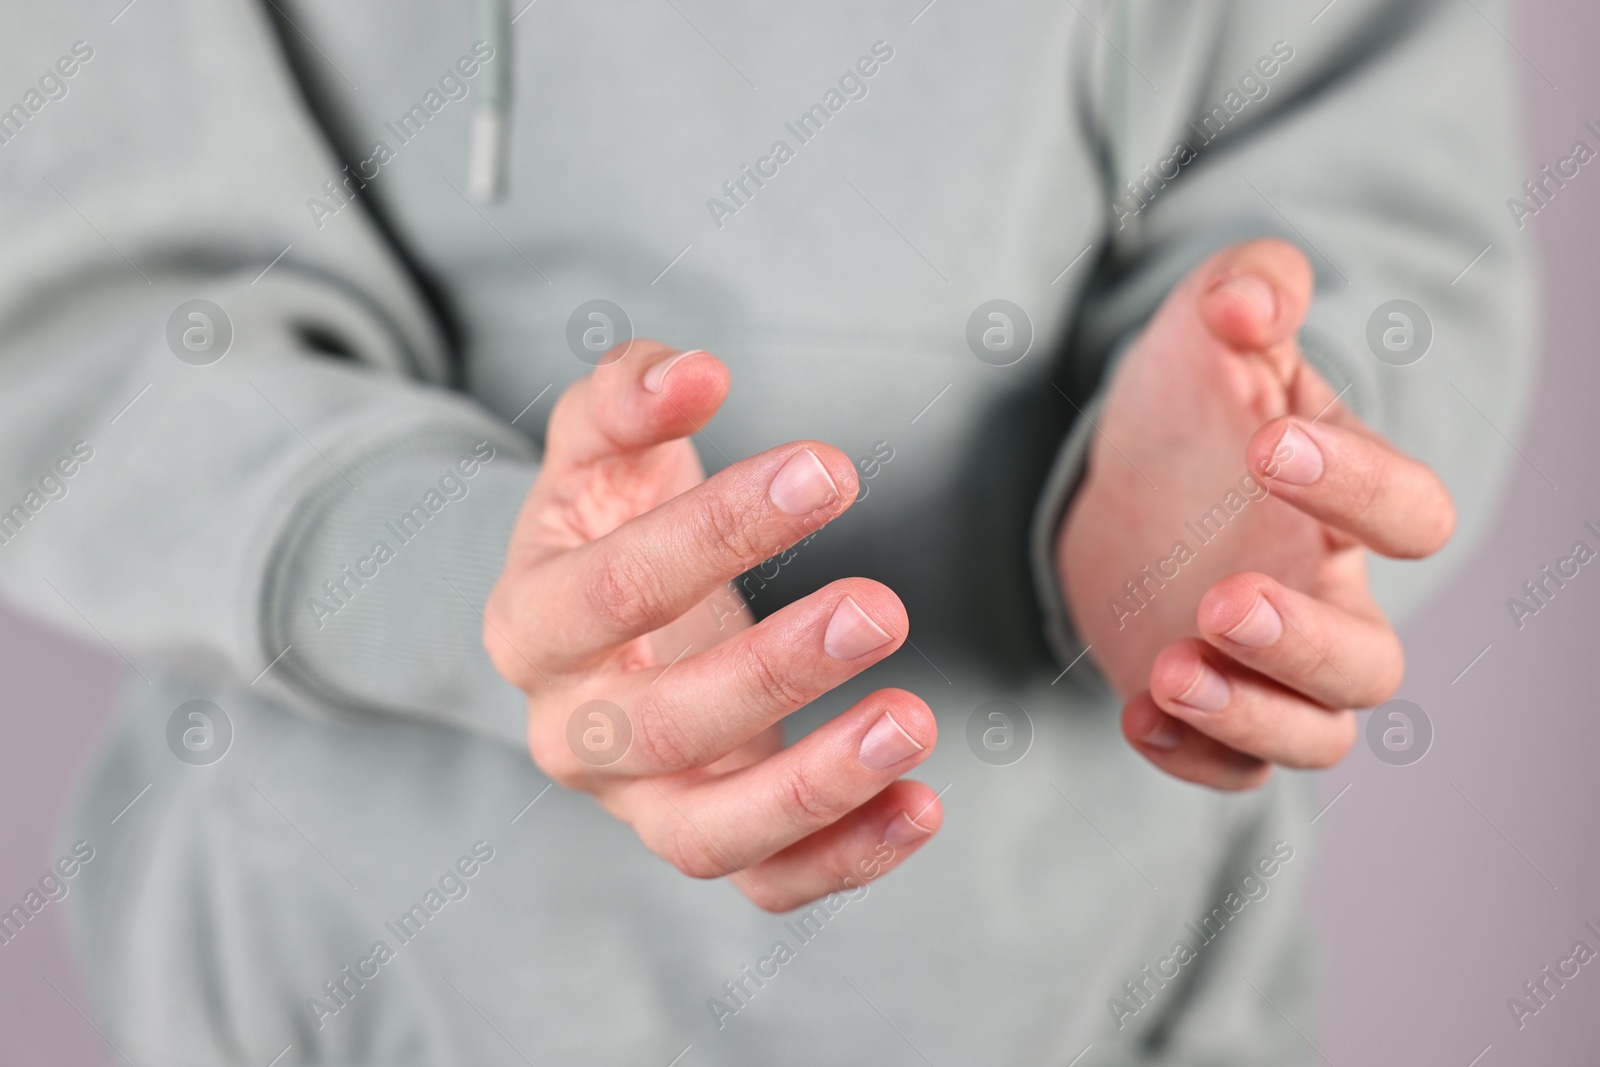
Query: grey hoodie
{"type": "Point", "coordinates": [373, 872]}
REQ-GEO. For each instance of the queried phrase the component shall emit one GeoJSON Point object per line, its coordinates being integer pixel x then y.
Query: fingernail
{"type": "Point", "coordinates": [903, 829]}
{"type": "Point", "coordinates": [1255, 291]}
{"type": "Point", "coordinates": [1302, 465]}
{"type": "Point", "coordinates": [1165, 734]}
{"type": "Point", "coordinates": [802, 485]}
{"type": "Point", "coordinates": [851, 633]}
{"type": "Point", "coordinates": [1260, 628]}
{"type": "Point", "coordinates": [1208, 693]}
{"type": "Point", "coordinates": [656, 376]}
{"type": "Point", "coordinates": [886, 744]}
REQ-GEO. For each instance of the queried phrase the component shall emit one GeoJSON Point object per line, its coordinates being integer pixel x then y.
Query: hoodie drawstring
{"type": "Point", "coordinates": [491, 125]}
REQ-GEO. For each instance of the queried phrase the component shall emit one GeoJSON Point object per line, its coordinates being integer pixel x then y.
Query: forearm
{"type": "Point", "coordinates": [204, 501]}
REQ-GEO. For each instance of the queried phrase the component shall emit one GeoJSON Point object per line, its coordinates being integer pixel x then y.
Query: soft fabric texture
{"type": "Point", "coordinates": [388, 325]}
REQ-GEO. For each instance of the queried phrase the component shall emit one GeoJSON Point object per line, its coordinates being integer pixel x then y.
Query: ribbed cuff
{"type": "Point", "coordinates": [378, 586]}
{"type": "Point", "coordinates": [1066, 475]}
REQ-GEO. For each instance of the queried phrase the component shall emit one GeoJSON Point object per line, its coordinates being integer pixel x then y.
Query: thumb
{"type": "Point", "coordinates": [1254, 296]}
{"type": "Point", "coordinates": [651, 394]}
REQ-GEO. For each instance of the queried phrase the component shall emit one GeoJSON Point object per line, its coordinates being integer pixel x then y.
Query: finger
{"type": "Point", "coordinates": [710, 703]}
{"type": "Point", "coordinates": [711, 828]}
{"type": "Point", "coordinates": [1185, 753]}
{"type": "Point", "coordinates": [653, 568]}
{"type": "Point", "coordinates": [1254, 295]}
{"type": "Point", "coordinates": [845, 857]}
{"type": "Point", "coordinates": [1335, 657]}
{"type": "Point", "coordinates": [650, 393]}
{"type": "Point", "coordinates": [1245, 711]}
{"type": "Point", "coordinates": [1355, 483]}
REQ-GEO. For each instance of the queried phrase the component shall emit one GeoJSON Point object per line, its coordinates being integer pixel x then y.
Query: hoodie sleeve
{"type": "Point", "coordinates": [1377, 138]}
{"type": "Point", "coordinates": [212, 410]}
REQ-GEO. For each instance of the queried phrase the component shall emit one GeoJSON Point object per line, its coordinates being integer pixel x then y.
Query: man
{"type": "Point", "coordinates": [1041, 412]}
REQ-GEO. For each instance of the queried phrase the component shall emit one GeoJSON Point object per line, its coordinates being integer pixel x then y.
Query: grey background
{"type": "Point", "coordinates": [1443, 886]}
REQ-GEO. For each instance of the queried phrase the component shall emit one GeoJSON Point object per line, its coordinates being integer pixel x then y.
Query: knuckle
{"type": "Point", "coordinates": [1307, 669]}
{"type": "Point", "coordinates": [659, 740]}
{"type": "Point", "coordinates": [1249, 736]}
{"type": "Point", "coordinates": [496, 609]}
{"type": "Point", "coordinates": [767, 678]}
{"type": "Point", "coordinates": [723, 527]}
{"type": "Point", "coordinates": [690, 853]}
{"type": "Point", "coordinates": [497, 625]}
{"type": "Point", "coordinates": [1251, 724]}
{"type": "Point", "coordinates": [625, 592]}
{"type": "Point", "coordinates": [802, 795]}
{"type": "Point", "coordinates": [550, 754]}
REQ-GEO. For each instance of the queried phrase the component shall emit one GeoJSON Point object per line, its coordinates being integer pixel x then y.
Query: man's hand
{"type": "Point", "coordinates": [615, 590]}
{"type": "Point", "coordinates": [1214, 557]}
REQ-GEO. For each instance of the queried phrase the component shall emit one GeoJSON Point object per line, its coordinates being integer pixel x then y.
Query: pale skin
{"type": "Point", "coordinates": [1260, 649]}
{"type": "Point", "coordinates": [615, 588]}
